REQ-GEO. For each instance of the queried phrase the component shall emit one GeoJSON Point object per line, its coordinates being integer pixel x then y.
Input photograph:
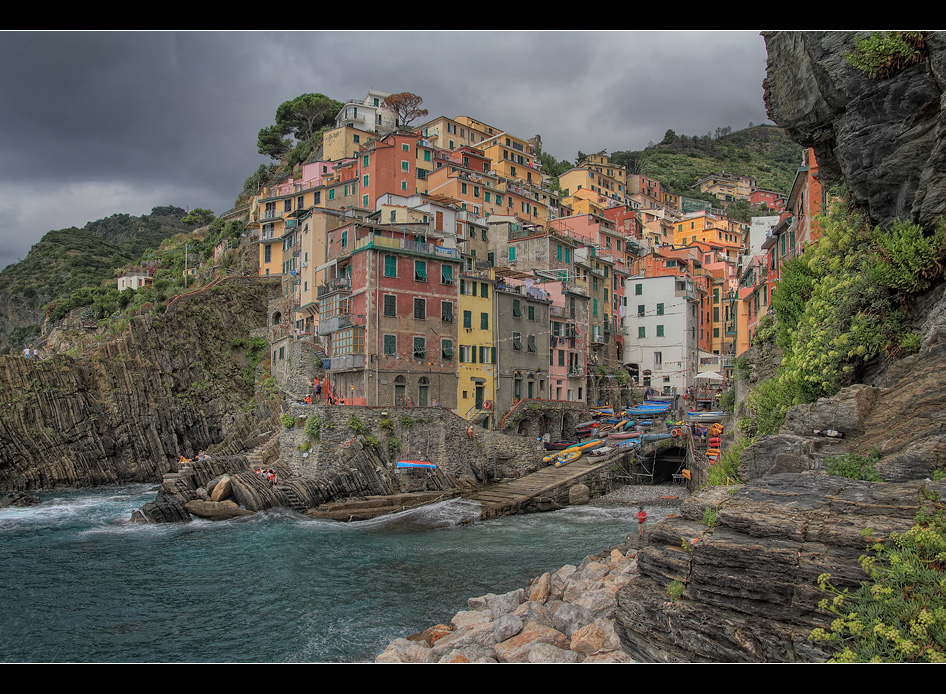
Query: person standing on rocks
{"type": "Point", "coordinates": [641, 521]}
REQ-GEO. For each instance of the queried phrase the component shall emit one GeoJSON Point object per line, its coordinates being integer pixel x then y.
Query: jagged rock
{"type": "Point", "coordinates": [570, 617]}
{"type": "Point", "coordinates": [883, 138]}
{"type": "Point", "coordinates": [404, 651]}
{"type": "Point", "coordinates": [506, 627]}
{"type": "Point", "coordinates": [498, 605]}
{"type": "Point", "coordinates": [530, 611]}
{"type": "Point", "coordinates": [432, 634]}
{"type": "Point", "coordinates": [19, 499]}
{"type": "Point", "coordinates": [578, 495]}
{"type": "Point", "coordinates": [539, 588]}
{"type": "Point", "coordinates": [222, 490]}
{"type": "Point", "coordinates": [594, 637]}
{"type": "Point", "coordinates": [517, 649]}
{"type": "Point", "coordinates": [547, 653]}
{"type": "Point", "coordinates": [216, 510]}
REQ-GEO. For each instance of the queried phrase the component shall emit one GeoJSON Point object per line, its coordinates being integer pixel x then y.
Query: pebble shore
{"type": "Point", "coordinates": [561, 617]}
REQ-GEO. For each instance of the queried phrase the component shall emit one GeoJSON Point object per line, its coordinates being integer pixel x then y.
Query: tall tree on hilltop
{"type": "Point", "coordinates": [302, 118]}
{"type": "Point", "coordinates": [406, 105]}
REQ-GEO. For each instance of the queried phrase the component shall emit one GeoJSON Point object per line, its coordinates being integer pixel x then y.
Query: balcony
{"type": "Point", "coordinates": [337, 284]}
{"type": "Point", "coordinates": [387, 242]}
{"type": "Point", "coordinates": [345, 362]}
{"type": "Point", "coordinates": [335, 323]}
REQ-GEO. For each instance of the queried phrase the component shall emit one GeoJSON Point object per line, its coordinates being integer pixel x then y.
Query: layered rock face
{"type": "Point", "coordinates": [167, 387]}
{"type": "Point", "coordinates": [750, 580]}
{"type": "Point", "coordinates": [884, 138]}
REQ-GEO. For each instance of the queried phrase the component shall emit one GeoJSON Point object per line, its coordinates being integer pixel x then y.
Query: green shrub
{"type": "Point", "coordinates": [725, 471]}
{"type": "Point", "coordinates": [372, 442]}
{"type": "Point", "coordinates": [884, 53]}
{"type": "Point", "coordinates": [853, 466]}
{"type": "Point", "coordinates": [394, 444]}
{"type": "Point", "coordinates": [386, 424]}
{"type": "Point", "coordinates": [356, 425]}
{"type": "Point", "coordinates": [900, 614]}
{"type": "Point", "coordinates": [709, 517]}
{"type": "Point", "coordinates": [287, 420]}
{"type": "Point", "coordinates": [313, 428]}
{"type": "Point", "coordinates": [675, 590]}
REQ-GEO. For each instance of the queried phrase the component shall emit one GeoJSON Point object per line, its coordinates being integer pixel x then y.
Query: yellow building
{"type": "Point", "coordinates": [598, 174]}
{"type": "Point", "coordinates": [344, 142]}
{"type": "Point", "coordinates": [477, 345]}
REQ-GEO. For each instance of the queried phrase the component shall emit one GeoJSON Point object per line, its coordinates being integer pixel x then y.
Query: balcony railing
{"type": "Point", "coordinates": [377, 241]}
{"type": "Point", "coordinates": [336, 284]}
{"type": "Point", "coordinates": [335, 323]}
{"type": "Point", "coordinates": [345, 362]}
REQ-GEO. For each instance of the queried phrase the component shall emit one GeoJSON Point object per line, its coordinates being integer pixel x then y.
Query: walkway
{"type": "Point", "coordinates": [537, 490]}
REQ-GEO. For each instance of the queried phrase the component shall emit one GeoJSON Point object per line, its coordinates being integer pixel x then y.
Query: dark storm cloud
{"type": "Point", "coordinates": [96, 123]}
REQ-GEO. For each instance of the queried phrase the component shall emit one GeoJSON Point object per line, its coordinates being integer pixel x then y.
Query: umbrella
{"type": "Point", "coordinates": [711, 375]}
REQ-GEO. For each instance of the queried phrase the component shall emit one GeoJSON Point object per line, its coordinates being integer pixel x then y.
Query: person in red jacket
{"type": "Point", "coordinates": [641, 521]}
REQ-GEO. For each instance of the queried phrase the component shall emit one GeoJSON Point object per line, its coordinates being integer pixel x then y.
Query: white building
{"type": "Point", "coordinates": [662, 344]}
{"type": "Point", "coordinates": [368, 114]}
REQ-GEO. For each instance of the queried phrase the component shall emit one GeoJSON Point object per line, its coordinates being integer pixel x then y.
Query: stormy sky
{"type": "Point", "coordinates": [97, 123]}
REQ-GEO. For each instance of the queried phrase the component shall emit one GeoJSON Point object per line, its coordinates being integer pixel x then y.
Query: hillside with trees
{"type": "Point", "coordinates": [762, 152]}
{"type": "Point", "coordinates": [68, 260]}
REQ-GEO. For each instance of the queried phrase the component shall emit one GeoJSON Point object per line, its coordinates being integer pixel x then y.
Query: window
{"type": "Point", "coordinates": [344, 239]}
{"type": "Point", "coordinates": [446, 274]}
{"type": "Point", "coordinates": [267, 253]}
{"type": "Point", "coordinates": [641, 332]}
{"type": "Point", "coordinates": [532, 313]}
{"type": "Point", "coordinates": [484, 290]}
{"type": "Point", "coordinates": [420, 309]}
{"type": "Point", "coordinates": [364, 181]}
{"type": "Point", "coordinates": [517, 341]}
{"type": "Point", "coordinates": [595, 304]}
{"type": "Point", "coordinates": [390, 266]}
{"type": "Point", "coordinates": [638, 289]}
{"type": "Point", "coordinates": [660, 331]}
{"type": "Point", "coordinates": [658, 360]}
{"type": "Point", "coordinates": [484, 321]}
{"type": "Point", "coordinates": [516, 310]}
{"type": "Point", "coordinates": [420, 347]}
{"type": "Point", "coordinates": [390, 305]}
{"type": "Point", "coordinates": [531, 343]}
{"type": "Point", "coordinates": [446, 311]}
{"type": "Point", "coordinates": [420, 270]}
{"type": "Point", "coordinates": [446, 350]}
{"type": "Point", "coordinates": [640, 310]}
{"type": "Point", "coordinates": [405, 166]}
{"type": "Point", "coordinates": [390, 345]}
{"type": "Point", "coordinates": [364, 162]}
{"type": "Point", "coordinates": [660, 309]}
{"type": "Point", "coordinates": [512, 253]}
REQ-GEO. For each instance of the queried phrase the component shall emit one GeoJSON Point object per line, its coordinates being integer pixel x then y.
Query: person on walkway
{"type": "Point", "coordinates": [641, 521]}
{"type": "Point", "coordinates": [469, 431]}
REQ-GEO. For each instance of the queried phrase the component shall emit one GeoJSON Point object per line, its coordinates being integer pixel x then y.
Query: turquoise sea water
{"type": "Point", "coordinates": [79, 583]}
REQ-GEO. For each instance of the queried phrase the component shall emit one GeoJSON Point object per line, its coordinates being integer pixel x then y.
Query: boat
{"type": "Point", "coordinates": [706, 417]}
{"type": "Point", "coordinates": [622, 435]}
{"type": "Point", "coordinates": [559, 445]}
{"type": "Point", "coordinates": [407, 464]}
{"type": "Point", "coordinates": [566, 457]}
{"type": "Point", "coordinates": [656, 436]}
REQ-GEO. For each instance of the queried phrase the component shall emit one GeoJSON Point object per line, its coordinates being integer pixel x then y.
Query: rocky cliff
{"type": "Point", "coordinates": [733, 579]}
{"type": "Point", "coordinates": [750, 567]}
{"type": "Point", "coordinates": [166, 387]}
{"type": "Point", "coordinates": [883, 138]}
